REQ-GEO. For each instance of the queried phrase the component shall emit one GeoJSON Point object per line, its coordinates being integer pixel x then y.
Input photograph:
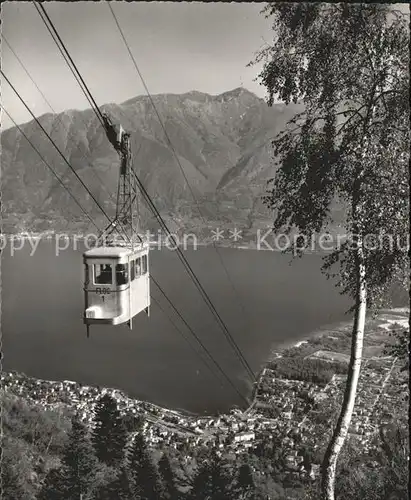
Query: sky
{"type": "Point", "coordinates": [178, 47]}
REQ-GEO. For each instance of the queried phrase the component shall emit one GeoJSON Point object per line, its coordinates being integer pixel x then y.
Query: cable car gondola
{"type": "Point", "coordinates": [116, 271]}
{"type": "Point", "coordinates": [117, 285]}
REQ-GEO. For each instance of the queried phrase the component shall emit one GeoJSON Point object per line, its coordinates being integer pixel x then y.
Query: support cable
{"type": "Point", "coordinates": [51, 168]}
{"type": "Point", "coordinates": [188, 268]}
{"type": "Point", "coordinates": [69, 135]}
{"type": "Point", "coordinates": [55, 145]}
{"type": "Point", "coordinates": [64, 52]}
{"type": "Point", "coordinates": [201, 343]}
{"type": "Point", "coordinates": [229, 336]}
{"type": "Point", "coordinates": [175, 326]}
{"type": "Point", "coordinates": [190, 271]}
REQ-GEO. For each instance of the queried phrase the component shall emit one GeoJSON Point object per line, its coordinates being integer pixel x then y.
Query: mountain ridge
{"type": "Point", "coordinates": [222, 141]}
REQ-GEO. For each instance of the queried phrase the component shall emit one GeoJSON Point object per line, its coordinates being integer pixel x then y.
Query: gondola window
{"type": "Point", "coordinates": [103, 274]}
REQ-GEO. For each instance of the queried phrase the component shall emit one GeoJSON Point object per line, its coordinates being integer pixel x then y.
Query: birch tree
{"type": "Point", "coordinates": [348, 65]}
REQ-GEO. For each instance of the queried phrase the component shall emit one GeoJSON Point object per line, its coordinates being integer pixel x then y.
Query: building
{"type": "Point", "coordinates": [244, 436]}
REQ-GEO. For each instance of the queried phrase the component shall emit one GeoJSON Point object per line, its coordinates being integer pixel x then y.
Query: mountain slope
{"type": "Point", "coordinates": [222, 143]}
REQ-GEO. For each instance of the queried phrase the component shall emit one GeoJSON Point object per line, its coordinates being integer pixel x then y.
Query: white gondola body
{"type": "Point", "coordinates": [116, 284]}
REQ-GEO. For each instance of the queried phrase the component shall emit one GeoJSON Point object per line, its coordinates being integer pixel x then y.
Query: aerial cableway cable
{"type": "Point", "coordinates": [51, 168]}
{"type": "Point", "coordinates": [176, 327]}
{"type": "Point", "coordinates": [59, 151]}
{"type": "Point", "coordinates": [64, 52]}
{"type": "Point", "coordinates": [201, 343]}
{"type": "Point", "coordinates": [72, 66]}
{"type": "Point", "coordinates": [230, 339]}
{"type": "Point", "coordinates": [186, 264]}
{"type": "Point", "coordinates": [69, 135]}
{"type": "Point", "coordinates": [85, 89]}
{"type": "Point", "coordinates": [156, 283]}
{"type": "Point", "coordinates": [57, 148]}
{"type": "Point", "coordinates": [27, 73]}
{"type": "Point", "coordinates": [98, 112]}
{"type": "Point", "coordinates": [88, 216]}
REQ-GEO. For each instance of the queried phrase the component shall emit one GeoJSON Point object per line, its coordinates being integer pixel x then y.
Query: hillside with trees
{"type": "Point", "coordinates": [60, 454]}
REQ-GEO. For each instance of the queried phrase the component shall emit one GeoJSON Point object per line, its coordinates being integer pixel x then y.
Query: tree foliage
{"type": "Point", "coordinates": [44, 429]}
{"type": "Point", "coordinates": [400, 347]}
{"type": "Point", "coordinates": [144, 479]}
{"type": "Point", "coordinates": [116, 485]}
{"type": "Point", "coordinates": [110, 434]}
{"type": "Point", "coordinates": [211, 481]}
{"type": "Point", "coordinates": [169, 488]}
{"type": "Point", "coordinates": [306, 369]}
{"type": "Point", "coordinates": [381, 473]}
{"type": "Point", "coordinates": [12, 485]}
{"type": "Point", "coordinates": [78, 467]}
{"type": "Point", "coordinates": [349, 66]}
{"type": "Point", "coordinates": [53, 487]}
{"type": "Point", "coordinates": [244, 486]}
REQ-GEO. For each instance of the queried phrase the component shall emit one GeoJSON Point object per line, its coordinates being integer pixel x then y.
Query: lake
{"type": "Point", "coordinates": [44, 336]}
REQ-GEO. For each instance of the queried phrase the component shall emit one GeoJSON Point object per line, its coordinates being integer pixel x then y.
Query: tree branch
{"type": "Point", "coordinates": [357, 112]}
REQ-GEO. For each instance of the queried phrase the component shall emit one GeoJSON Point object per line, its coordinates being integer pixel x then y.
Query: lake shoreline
{"type": "Point", "coordinates": [281, 308]}
{"type": "Point", "coordinates": [275, 352]}
{"type": "Point", "coordinates": [162, 244]}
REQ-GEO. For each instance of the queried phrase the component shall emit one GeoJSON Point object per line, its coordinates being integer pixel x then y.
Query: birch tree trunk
{"type": "Point", "coordinates": [344, 420]}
